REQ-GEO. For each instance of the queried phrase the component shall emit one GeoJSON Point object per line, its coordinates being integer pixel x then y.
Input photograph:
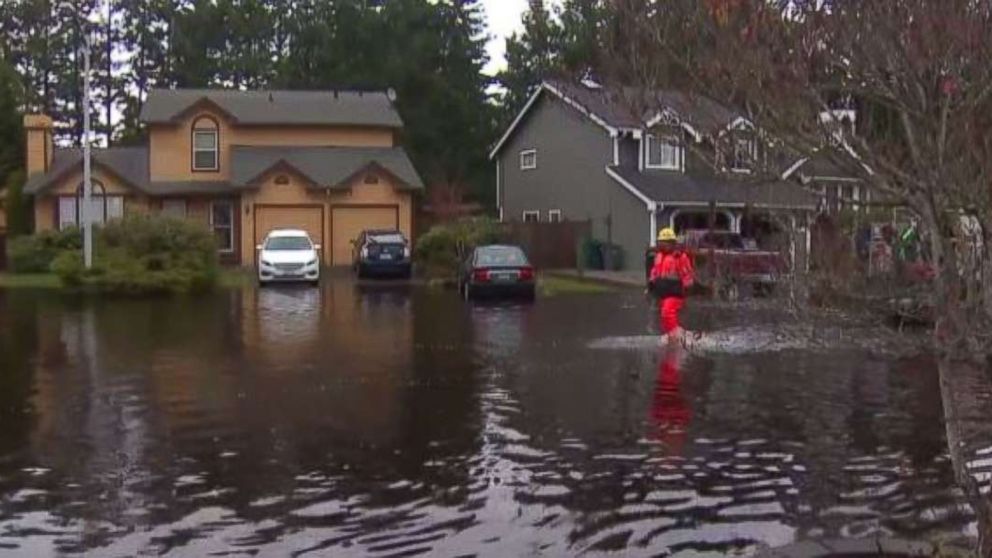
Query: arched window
{"type": "Point", "coordinates": [102, 207]}
{"type": "Point", "coordinates": [206, 145]}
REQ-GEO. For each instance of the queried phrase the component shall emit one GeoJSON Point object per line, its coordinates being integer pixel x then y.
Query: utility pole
{"type": "Point", "coordinates": [85, 212]}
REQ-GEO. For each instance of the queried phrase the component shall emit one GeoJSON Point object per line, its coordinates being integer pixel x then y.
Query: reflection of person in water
{"type": "Point", "coordinates": [670, 412]}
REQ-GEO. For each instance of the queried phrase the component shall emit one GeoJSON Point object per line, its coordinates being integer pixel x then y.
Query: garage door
{"type": "Point", "coordinates": [308, 218]}
{"type": "Point", "coordinates": [348, 222]}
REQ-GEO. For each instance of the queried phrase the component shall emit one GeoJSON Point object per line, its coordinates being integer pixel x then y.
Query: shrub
{"type": "Point", "coordinates": [145, 255]}
{"type": "Point", "coordinates": [69, 267]}
{"type": "Point", "coordinates": [441, 249]}
{"type": "Point", "coordinates": [437, 252]}
{"type": "Point", "coordinates": [35, 254]}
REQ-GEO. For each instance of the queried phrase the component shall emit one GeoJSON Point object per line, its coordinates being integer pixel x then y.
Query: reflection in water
{"type": "Point", "coordinates": [383, 420]}
{"type": "Point", "coordinates": [670, 411]}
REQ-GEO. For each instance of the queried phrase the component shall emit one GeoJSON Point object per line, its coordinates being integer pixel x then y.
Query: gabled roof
{"type": "Point", "coordinates": [329, 167]}
{"type": "Point", "coordinates": [343, 108]}
{"type": "Point", "coordinates": [678, 188]}
{"type": "Point", "coordinates": [129, 164]}
{"type": "Point", "coordinates": [326, 167]}
{"type": "Point", "coordinates": [631, 109]}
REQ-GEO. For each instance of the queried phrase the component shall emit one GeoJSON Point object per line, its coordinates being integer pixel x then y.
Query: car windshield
{"type": "Point", "coordinates": [387, 238]}
{"type": "Point", "coordinates": [288, 243]}
{"type": "Point", "coordinates": [723, 240]}
{"type": "Point", "coordinates": [500, 256]}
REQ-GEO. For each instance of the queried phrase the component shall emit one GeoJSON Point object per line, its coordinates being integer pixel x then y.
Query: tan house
{"type": "Point", "coordinates": [242, 163]}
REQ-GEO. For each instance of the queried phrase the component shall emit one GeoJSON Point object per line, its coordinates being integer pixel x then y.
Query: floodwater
{"type": "Point", "coordinates": [384, 420]}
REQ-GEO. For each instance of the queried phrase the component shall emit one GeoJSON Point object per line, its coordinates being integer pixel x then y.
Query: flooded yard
{"type": "Point", "coordinates": [386, 420]}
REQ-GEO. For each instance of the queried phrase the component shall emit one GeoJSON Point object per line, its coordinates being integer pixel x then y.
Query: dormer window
{"type": "Point", "coordinates": [206, 142]}
{"type": "Point", "coordinates": [663, 152]}
{"type": "Point", "coordinates": [744, 154]}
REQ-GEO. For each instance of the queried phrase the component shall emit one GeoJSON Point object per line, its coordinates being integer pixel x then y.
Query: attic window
{"type": "Point", "coordinates": [206, 141]}
{"type": "Point", "coordinates": [745, 153]}
{"type": "Point", "coordinates": [282, 179]}
{"type": "Point", "coordinates": [371, 179]}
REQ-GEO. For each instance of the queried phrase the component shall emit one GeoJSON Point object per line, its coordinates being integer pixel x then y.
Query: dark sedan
{"type": "Point", "coordinates": [497, 271]}
{"type": "Point", "coordinates": [382, 252]}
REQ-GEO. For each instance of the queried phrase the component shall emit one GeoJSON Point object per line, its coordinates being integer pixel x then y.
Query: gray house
{"type": "Point", "coordinates": [578, 151]}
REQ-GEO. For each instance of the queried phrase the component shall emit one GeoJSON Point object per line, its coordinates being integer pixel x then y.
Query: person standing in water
{"type": "Point", "coordinates": [671, 276]}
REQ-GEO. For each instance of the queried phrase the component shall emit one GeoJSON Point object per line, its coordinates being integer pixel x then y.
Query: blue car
{"type": "Point", "coordinates": [382, 253]}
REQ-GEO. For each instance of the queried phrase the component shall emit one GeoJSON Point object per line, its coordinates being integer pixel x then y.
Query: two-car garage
{"type": "Point", "coordinates": [343, 223]}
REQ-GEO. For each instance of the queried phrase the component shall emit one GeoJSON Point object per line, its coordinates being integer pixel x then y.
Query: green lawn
{"type": "Point", "coordinates": [29, 281]}
{"type": "Point", "coordinates": [236, 278]}
{"type": "Point", "coordinates": [554, 285]}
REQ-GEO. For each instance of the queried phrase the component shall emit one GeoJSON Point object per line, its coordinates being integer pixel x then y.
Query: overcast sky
{"type": "Point", "coordinates": [504, 19]}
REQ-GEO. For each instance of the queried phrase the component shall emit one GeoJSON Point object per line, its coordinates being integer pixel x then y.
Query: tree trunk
{"type": "Point", "coordinates": [956, 413]}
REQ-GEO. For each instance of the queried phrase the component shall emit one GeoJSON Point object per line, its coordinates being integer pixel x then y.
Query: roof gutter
{"type": "Point", "coordinates": [650, 204]}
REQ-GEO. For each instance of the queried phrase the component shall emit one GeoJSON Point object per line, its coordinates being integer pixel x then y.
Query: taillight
{"type": "Point", "coordinates": [406, 252]}
{"type": "Point", "coordinates": [480, 275]}
{"type": "Point", "coordinates": [527, 274]}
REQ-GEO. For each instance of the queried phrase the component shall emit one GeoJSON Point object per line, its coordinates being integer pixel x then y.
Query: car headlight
{"type": "Point", "coordinates": [406, 252]}
{"type": "Point", "coordinates": [266, 264]}
{"type": "Point", "coordinates": [312, 262]}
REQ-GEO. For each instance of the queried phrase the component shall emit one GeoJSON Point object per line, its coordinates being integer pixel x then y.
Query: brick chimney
{"type": "Point", "coordinates": [39, 148]}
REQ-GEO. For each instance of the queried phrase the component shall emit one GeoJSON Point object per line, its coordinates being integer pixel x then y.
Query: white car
{"type": "Point", "coordinates": [288, 255]}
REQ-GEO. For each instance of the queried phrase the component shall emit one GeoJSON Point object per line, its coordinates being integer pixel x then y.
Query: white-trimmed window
{"type": "Point", "coordinates": [532, 216]}
{"type": "Point", "coordinates": [172, 207]}
{"type": "Point", "coordinates": [554, 216]}
{"type": "Point", "coordinates": [102, 207]}
{"type": "Point", "coordinates": [222, 223]}
{"type": "Point", "coordinates": [528, 159]}
{"type": "Point", "coordinates": [663, 152]}
{"type": "Point", "coordinates": [744, 154]}
{"type": "Point", "coordinates": [206, 145]}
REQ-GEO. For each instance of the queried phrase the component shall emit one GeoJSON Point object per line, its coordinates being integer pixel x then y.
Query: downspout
{"type": "Point", "coordinates": [499, 200]}
{"type": "Point", "coordinates": [654, 208]}
{"type": "Point", "coordinates": [616, 150]}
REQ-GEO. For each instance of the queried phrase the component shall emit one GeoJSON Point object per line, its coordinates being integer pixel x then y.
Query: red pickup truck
{"type": "Point", "coordinates": [726, 262]}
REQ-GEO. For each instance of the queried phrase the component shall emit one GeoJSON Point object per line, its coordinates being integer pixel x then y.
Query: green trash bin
{"type": "Point", "coordinates": [591, 254]}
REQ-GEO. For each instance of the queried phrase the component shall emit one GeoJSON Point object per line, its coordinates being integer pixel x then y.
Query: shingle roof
{"type": "Point", "coordinates": [326, 166]}
{"type": "Point", "coordinates": [630, 107]}
{"type": "Point", "coordinates": [130, 164]}
{"type": "Point", "coordinates": [277, 107]}
{"type": "Point", "coordinates": [675, 187]}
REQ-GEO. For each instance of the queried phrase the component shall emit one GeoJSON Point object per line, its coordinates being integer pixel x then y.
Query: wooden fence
{"type": "Point", "coordinates": [549, 245]}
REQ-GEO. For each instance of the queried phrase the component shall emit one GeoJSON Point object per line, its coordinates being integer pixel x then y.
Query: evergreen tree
{"type": "Point", "coordinates": [564, 44]}
{"type": "Point", "coordinates": [12, 149]}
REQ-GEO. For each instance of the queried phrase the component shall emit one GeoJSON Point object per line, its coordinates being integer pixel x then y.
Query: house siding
{"type": "Point", "coordinates": [170, 146]}
{"type": "Point", "coordinates": [572, 154]}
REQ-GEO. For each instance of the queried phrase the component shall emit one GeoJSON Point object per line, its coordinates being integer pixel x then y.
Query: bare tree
{"type": "Point", "coordinates": [916, 71]}
{"type": "Point", "coordinates": [917, 75]}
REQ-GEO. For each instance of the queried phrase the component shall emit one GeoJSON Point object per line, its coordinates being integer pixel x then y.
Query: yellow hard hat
{"type": "Point", "coordinates": [666, 234]}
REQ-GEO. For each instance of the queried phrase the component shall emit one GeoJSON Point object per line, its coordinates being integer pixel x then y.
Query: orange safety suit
{"type": "Point", "coordinates": [670, 276]}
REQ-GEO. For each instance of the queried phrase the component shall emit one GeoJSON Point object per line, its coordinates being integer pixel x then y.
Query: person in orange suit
{"type": "Point", "coordinates": [671, 276]}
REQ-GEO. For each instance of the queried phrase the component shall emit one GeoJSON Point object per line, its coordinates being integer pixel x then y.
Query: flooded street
{"type": "Point", "coordinates": [385, 420]}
